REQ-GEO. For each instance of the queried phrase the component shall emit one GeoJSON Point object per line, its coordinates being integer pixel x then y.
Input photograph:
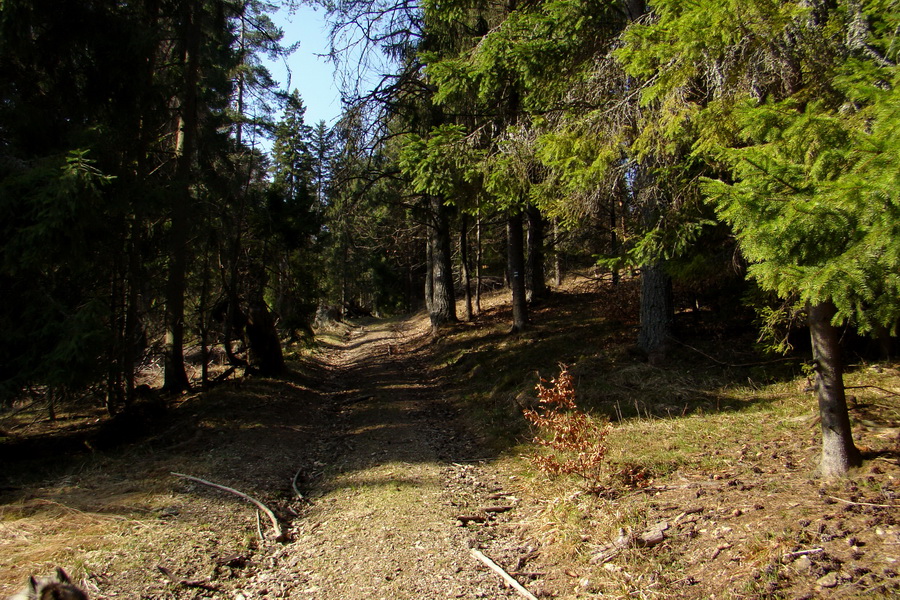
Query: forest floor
{"type": "Point", "coordinates": [388, 457]}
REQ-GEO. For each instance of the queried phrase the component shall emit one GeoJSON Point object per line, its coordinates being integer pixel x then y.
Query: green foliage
{"type": "Point", "coordinates": [796, 105]}
{"type": "Point", "coordinates": [441, 164]}
{"type": "Point", "coordinates": [93, 160]}
{"type": "Point", "coordinates": [815, 204]}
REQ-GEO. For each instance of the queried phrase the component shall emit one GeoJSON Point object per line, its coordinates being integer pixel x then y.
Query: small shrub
{"type": "Point", "coordinates": [575, 442]}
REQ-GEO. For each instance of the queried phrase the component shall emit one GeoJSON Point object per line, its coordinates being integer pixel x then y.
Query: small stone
{"type": "Point", "coordinates": [829, 580]}
{"type": "Point", "coordinates": [803, 563]}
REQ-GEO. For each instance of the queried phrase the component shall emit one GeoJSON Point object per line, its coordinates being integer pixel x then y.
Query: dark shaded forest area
{"type": "Point", "coordinates": [164, 205]}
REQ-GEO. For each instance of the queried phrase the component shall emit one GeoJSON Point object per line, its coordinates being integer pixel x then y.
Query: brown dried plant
{"type": "Point", "coordinates": [575, 442]}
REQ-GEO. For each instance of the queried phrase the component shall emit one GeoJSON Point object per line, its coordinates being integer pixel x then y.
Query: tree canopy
{"type": "Point", "coordinates": [689, 143]}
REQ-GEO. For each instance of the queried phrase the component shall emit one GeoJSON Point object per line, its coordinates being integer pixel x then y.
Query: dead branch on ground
{"type": "Point", "coordinates": [279, 535]}
{"type": "Point", "coordinates": [506, 576]}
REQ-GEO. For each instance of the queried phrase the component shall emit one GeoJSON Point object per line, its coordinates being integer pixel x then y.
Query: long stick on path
{"type": "Point", "coordinates": [506, 576]}
{"type": "Point", "coordinates": [279, 536]}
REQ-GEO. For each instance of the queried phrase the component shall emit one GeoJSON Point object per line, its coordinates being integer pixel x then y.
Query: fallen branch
{"type": "Point", "coordinates": [506, 576]}
{"type": "Point", "coordinates": [890, 393]}
{"type": "Point", "coordinates": [279, 535]}
{"type": "Point", "coordinates": [466, 519]}
{"type": "Point", "coordinates": [798, 553]}
{"type": "Point", "coordinates": [718, 550]}
{"type": "Point", "coordinates": [733, 365]}
{"type": "Point", "coordinates": [864, 503]}
{"type": "Point", "coordinates": [496, 509]}
{"type": "Point", "coordinates": [294, 484]}
{"type": "Point", "coordinates": [259, 532]}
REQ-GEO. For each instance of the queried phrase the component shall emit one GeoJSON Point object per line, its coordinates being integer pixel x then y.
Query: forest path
{"type": "Point", "coordinates": [384, 463]}
{"type": "Point", "coordinates": [383, 522]}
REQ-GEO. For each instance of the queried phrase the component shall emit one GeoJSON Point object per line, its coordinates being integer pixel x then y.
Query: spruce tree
{"type": "Point", "coordinates": [800, 113]}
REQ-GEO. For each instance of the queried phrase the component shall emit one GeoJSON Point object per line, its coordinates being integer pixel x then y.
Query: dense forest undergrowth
{"type": "Point", "coordinates": [386, 453]}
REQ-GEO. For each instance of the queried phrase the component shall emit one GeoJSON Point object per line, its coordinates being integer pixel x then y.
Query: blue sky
{"type": "Point", "coordinates": [312, 75]}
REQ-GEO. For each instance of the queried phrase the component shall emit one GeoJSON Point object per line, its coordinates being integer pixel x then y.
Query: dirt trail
{"type": "Point", "coordinates": [384, 468]}
{"type": "Point", "coordinates": [383, 523]}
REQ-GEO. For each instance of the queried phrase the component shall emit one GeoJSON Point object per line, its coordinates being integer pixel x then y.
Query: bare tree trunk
{"type": "Point", "coordinates": [557, 256]}
{"type": "Point", "coordinates": [175, 376]}
{"type": "Point", "coordinates": [535, 281]}
{"type": "Point", "coordinates": [115, 397]}
{"type": "Point", "coordinates": [613, 237]}
{"type": "Point", "coordinates": [429, 272]}
{"type": "Point", "coordinates": [478, 259]}
{"type": "Point", "coordinates": [656, 312]}
{"type": "Point", "coordinates": [464, 265]}
{"type": "Point", "coordinates": [839, 454]}
{"type": "Point", "coordinates": [516, 271]}
{"type": "Point", "coordinates": [443, 301]}
{"type": "Point", "coordinates": [204, 323]}
{"type": "Point", "coordinates": [134, 336]}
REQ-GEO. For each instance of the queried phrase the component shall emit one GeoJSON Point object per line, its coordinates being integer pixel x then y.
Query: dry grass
{"type": "Point", "coordinates": [727, 459]}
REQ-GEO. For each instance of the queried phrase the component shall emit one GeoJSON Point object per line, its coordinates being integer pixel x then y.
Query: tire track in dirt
{"type": "Point", "coordinates": [386, 496]}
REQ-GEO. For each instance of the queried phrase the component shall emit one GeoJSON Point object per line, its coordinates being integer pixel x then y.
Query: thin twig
{"type": "Point", "coordinates": [725, 364]}
{"type": "Point", "coordinates": [506, 576]}
{"type": "Point", "coordinates": [864, 503]}
{"type": "Point", "coordinates": [890, 393]}
{"type": "Point", "coordinates": [294, 484]}
{"type": "Point", "coordinates": [279, 536]}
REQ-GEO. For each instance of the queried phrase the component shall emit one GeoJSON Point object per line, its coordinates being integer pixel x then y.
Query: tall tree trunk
{"type": "Point", "coordinates": [464, 265]}
{"type": "Point", "coordinates": [516, 271]}
{"type": "Point", "coordinates": [535, 280]}
{"type": "Point", "coordinates": [557, 255]}
{"type": "Point", "coordinates": [115, 396]}
{"type": "Point", "coordinates": [656, 312]}
{"type": "Point", "coordinates": [443, 301]}
{"type": "Point", "coordinates": [839, 453]}
{"type": "Point", "coordinates": [478, 260]}
{"type": "Point", "coordinates": [134, 335]}
{"type": "Point", "coordinates": [204, 322]}
{"type": "Point", "coordinates": [613, 237]}
{"type": "Point", "coordinates": [429, 272]}
{"type": "Point", "coordinates": [175, 376]}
